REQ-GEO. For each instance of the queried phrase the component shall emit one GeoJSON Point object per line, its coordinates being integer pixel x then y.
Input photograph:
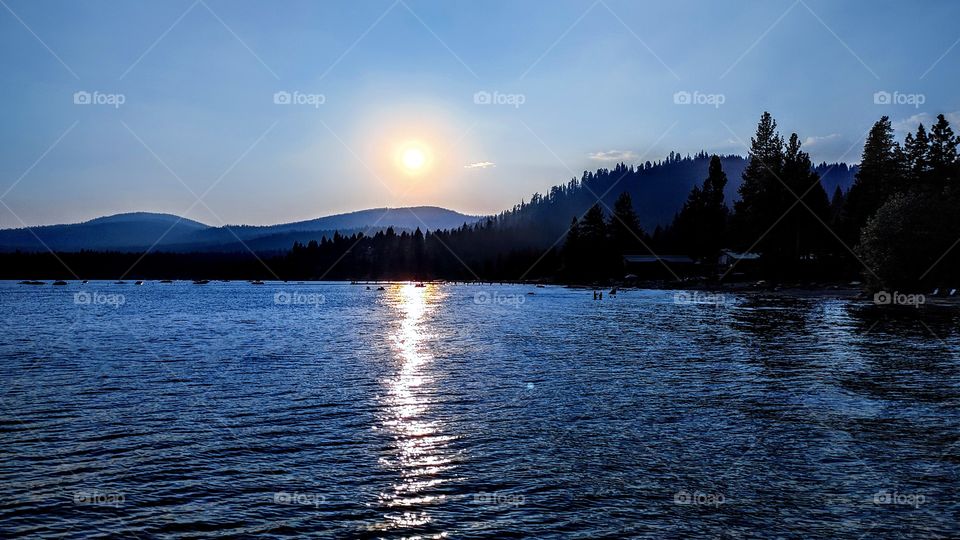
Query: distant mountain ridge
{"type": "Point", "coordinates": [658, 190]}
{"type": "Point", "coordinates": [138, 231]}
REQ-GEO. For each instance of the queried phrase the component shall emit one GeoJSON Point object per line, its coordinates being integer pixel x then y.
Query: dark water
{"type": "Point", "coordinates": [334, 411]}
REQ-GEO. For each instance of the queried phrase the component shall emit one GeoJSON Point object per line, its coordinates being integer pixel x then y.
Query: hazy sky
{"type": "Point", "coordinates": [505, 98]}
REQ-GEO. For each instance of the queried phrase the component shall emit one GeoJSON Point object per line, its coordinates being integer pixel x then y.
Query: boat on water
{"type": "Point", "coordinates": [419, 285]}
{"type": "Point", "coordinates": [201, 281]}
{"type": "Point", "coordinates": [381, 289]}
{"type": "Point", "coordinates": [256, 282]}
{"type": "Point", "coordinates": [59, 282]}
{"type": "Point", "coordinates": [31, 282]}
{"type": "Point", "coordinates": [119, 282]}
{"type": "Point", "coordinates": [139, 282]}
{"type": "Point", "coordinates": [166, 281]}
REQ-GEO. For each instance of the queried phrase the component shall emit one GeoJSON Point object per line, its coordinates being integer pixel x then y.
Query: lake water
{"type": "Point", "coordinates": [326, 409]}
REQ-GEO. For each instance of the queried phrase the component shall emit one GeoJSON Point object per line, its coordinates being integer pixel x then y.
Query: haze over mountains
{"type": "Point", "coordinates": [658, 191]}
{"type": "Point", "coordinates": [138, 231]}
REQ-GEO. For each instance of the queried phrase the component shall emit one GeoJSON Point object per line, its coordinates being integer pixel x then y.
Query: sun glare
{"type": "Point", "coordinates": [414, 158]}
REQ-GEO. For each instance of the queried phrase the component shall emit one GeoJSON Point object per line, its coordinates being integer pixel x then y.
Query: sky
{"type": "Point", "coordinates": [259, 112]}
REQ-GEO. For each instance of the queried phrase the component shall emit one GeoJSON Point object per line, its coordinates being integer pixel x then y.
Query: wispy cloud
{"type": "Point", "coordinates": [480, 165]}
{"type": "Point", "coordinates": [909, 124]}
{"type": "Point", "coordinates": [821, 139]}
{"type": "Point", "coordinates": [614, 155]}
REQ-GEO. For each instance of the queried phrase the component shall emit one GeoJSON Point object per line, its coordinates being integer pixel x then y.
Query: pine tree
{"type": "Point", "coordinates": [572, 250]}
{"type": "Point", "coordinates": [593, 228]}
{"type": "Point", "coordinates": [714, 185]}
{"type": "Point", "coordinates": [943, 155]}
{"type": "Point", "coordinates": [597, 255]}
{"type": "Point", "coordinates": [880, 176]}
{"type": "Point", "coordinates": [760, 197]}
{"type": "Point", "coordinates": [917, 154]}
{"type": "Point", "coordinates": [836, 207]}
{"type": "Point", "coordinates": [805, 224]}
{"type": "Point", "coordinates": [700, 226]}
{"type": "Point", "coordinates": [626, 233]}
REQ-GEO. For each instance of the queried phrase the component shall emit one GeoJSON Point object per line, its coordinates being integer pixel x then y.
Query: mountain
{"type": "Point", "coordinates": [105, 233]}
{"type": "Point", "coordinates": [138, 231]}
{"type": "Point", "coordinates": [658, 190]}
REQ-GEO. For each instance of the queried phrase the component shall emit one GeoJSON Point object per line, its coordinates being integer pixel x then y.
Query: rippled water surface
{"type": "Point", "coordinates": [294, 410]}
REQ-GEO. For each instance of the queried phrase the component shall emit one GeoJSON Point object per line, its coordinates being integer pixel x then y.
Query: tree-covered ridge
{"type": "Point", "coordinates": [896, 226]}
{"type": "Point", "coordinates": [657, 188]}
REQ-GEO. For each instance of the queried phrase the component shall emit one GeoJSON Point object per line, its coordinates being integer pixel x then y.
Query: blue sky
{"type": "Point", "coordinates": [573, 86]}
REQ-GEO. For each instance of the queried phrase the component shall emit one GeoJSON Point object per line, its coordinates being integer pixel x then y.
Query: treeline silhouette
{"type": "Point", "coordinates": [895, 227]}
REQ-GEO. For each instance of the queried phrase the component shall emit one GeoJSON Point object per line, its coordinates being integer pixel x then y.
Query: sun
{"type": "Point", "coordinates": [414, 158]}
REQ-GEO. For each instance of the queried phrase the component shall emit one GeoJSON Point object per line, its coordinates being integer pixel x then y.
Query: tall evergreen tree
{"type": "Point", "coordinates": [917, 158]}
{"type": "Point", "coordinates": [836, 207]}
{"type": "Point", "coordinates": [572, 250]}
{"type": "Point", "coordinates": [760, 197]}
{"type": "Point", "coordinates": [759, 201]}
{"type": "Point", "coordinates": [803, 229]}
{"type": "Point", "coordinates": [626, 234]}
{"type": "Point", "coordinates": [700, 226]}
{"type": "Point", "coordinates": [943, 155]}
{"type": "Point", "coordinates": [596, 252]}
{"type": "Point", "coordinates": [593, 227]}
{"type": "Point", "coordinates": [880, 175]}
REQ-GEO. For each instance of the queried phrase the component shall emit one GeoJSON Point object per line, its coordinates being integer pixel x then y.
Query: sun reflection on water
{"type": "Point", "coordinates": [420, 455]}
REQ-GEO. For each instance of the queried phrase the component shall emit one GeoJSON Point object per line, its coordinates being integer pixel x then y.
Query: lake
{"type": "Point", "coordinates": [473, 411]}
